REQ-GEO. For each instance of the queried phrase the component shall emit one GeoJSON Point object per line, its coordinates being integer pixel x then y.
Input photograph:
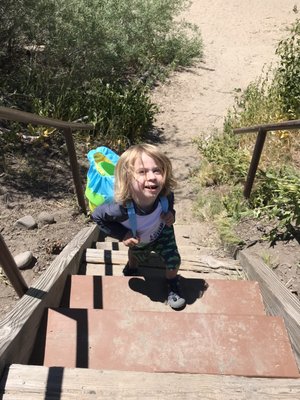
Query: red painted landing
{"type": "Point", "coordinates": [169, 342]}
{"type": "Point", "coordinates": [138, 293]}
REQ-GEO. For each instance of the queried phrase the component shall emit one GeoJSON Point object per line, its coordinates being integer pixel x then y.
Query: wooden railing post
{"type": "Point", "coordinates": [75, 168]}
{"type": "Point", "coordinates": [260, 141]}
{"type": "Point", "coordinates": [67, 127]}
{"type": "Point", "coordinates": [11, 270]}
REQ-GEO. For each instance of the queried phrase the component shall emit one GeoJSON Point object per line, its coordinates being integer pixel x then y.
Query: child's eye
{"type": "Point", "coordinates": [141, 172]}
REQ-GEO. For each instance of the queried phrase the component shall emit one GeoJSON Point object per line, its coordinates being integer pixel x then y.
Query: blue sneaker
{"type": "Point", "coordinates": [175, 300]}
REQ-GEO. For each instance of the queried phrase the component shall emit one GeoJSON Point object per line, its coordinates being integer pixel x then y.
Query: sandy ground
{"type": "Point", "coordinates": [240, 38]}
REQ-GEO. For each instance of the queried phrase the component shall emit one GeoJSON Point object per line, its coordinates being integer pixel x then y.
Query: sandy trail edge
{"type": "Point", "coordinates": [240, 39]}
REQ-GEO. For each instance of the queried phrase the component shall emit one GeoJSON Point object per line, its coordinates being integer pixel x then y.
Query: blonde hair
{"type": "Point", "coordinates": [125, 169]}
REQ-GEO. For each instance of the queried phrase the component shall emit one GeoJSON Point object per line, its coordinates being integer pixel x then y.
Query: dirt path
{"type": "Point", "coordinates": [240, 38]}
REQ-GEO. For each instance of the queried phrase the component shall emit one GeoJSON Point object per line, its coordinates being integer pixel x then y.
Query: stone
{"type": "Point", "coordinates": [27, 222]}
{"type": "Point", "coordinates": [45, 218]}
{"type": "Point", "coordinates": [23, 260]}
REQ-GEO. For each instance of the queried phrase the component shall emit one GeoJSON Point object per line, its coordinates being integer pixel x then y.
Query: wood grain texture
{"type": "Point", "coordinates": [277, 298]}
{"type": "Point", "coordinates": [42, 383]}
{"type": "Point", "coordinates": [190, 260]}
{"type": "Point", "coordinates": [117, 270]}
{"type": "Point", "coordinates": [19, 328]}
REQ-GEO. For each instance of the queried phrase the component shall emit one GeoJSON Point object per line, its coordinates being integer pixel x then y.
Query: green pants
{"type": "Point", "coordinates": [165, 246]}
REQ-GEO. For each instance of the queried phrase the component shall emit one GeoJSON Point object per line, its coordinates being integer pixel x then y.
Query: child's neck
{"type": "Point", "coordinates": [145, 207]}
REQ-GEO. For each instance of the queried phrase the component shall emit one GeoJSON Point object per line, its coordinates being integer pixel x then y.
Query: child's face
{"type": "Point", "coordinates": [147, 181]}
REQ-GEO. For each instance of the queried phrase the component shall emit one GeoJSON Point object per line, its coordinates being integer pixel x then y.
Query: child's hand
{"type": "Point", "coordinates": [168, 218]}
{"type": "Point", "coordinates": [130, 241]}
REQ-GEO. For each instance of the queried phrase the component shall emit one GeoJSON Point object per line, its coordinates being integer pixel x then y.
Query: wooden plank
{"type": "Point", "coordinates": [116, 270]}
{"type": "Point", "coordinates": [149, 294]}
{"type": "Point", "coordinates": [191, 262]}
{"type": "Point", "coordinates": [19, 328]}
{"type": "Point", "coordinates": [112, 245]}
{"type": "Point", "coordinates": [240, 345]}
{"type": "Point", "coordinates": [42, 383]}
{"type": "Point", "coordinates": [277, 298]}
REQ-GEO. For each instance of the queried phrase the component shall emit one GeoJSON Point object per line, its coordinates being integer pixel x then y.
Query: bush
{"type": "Point", "coordinates": [271, 98]}
{"type": "Point", "coordinates": [68, 59]}
{"type": "Point", "coordinates": [228, 161]}
{"type": "Point", "coordinates": [288, 73]}
{"type": "Point", "coordinates": [277, 197]}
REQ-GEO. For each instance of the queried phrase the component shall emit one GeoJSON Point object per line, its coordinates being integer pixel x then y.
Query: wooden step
{"type": "Point", "coordinates": [169, 342]}
{"type": "Point", "coordinates": [140, 294]}
{"type": "Point", "coordinates": [23, 382]}
{"type": "Point", "coordinates": [109, 262]}
{"type": "Point", "coordinates": [114, 245]}
{"type": "Point", "coordinates": [190, 260]}
{"type": "Point", "coordinates": [117, 270]}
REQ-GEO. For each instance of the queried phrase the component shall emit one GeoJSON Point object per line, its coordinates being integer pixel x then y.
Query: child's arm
{"type": "Point", "coordinates": [130, 241]}
{"type": "Point", "coordinates": [108, 218]}
{"type": "Point", "coordinates": [169, 217]}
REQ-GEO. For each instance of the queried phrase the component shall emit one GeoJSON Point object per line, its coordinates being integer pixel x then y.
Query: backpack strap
{"type": "Point", "coordinates": [132, 215]}
{"type": "Point", "coordinates": [164, 204]}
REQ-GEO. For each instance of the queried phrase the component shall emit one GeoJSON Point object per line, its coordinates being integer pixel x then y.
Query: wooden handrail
{"type": "Point", "coordinates": [262, 131]}
{"type": "Point", "coordinates": [278, 126]}
{"type": "Point", "coordinates": [6, 259]}
{"type": "Point", "coordinates": [11, 270]}
{"type": "Point", "coordinates": [67, 127]}
{"type": "Point", "coordinates": [12, 114]}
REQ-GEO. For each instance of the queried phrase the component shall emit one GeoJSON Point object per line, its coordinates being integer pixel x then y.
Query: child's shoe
{"type": "Point", "coordinates": [127, 271]}
{"type": "Point", "coordinates": [174, 294]}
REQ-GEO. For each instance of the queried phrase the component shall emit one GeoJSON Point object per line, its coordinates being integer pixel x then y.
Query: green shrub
{"type": "Point", "coordinates": [258, 104]}
{"type": "Point", "coordinates": [288, 72]}
{"type": "Point", "coordinates": [273, 97]}
{"type": "Point", "coordinates": [277, 197]}
{"type": "Point", "coordinates": [228, 161]}
{"type": "Point", "coordinates": [76, 58]}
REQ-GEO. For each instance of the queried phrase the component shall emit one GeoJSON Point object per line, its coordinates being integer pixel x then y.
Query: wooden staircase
{"type": "Point", "coordinates": [114, 337]}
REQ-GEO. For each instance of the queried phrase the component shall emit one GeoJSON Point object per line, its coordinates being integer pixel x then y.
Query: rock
{"type": "Point", "coordinates": [45, 218]}
{"type": "Point", "coordinates": [23, 260]}
{"type": "Point", "coordinates": [27, 222]}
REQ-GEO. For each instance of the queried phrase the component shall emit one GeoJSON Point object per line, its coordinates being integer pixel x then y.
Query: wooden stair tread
{"type": "Point", "coordinates": [169, 342]}
{"type": "Point", "coordinates": [195, 263]}
{"type": "Point", "coordinates": [117, 270]}
{"type": "Point", "coordinates": [102, 255]}
{"type": "Point", "coordinates": [114, 245]}
{"type": "Point", "coordinates": [23, 382]}
{"type": "Point", "coordinates": [138, 293]}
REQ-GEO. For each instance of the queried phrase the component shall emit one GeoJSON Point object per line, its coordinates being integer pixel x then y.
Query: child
{"type": "Point", "coordinates": [142, 175]}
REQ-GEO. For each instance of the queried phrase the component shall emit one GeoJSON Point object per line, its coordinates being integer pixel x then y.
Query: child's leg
{"type": "Point", "coordinates": [166, 247]}
{"type": "Point", "coordinates": [130, 268]}
{"type": "Point", "coordinates": [135, 257]}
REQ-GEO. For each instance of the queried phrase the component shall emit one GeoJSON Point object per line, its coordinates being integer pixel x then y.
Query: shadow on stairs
{"type": "Point", "coordinates": [114, 337]}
